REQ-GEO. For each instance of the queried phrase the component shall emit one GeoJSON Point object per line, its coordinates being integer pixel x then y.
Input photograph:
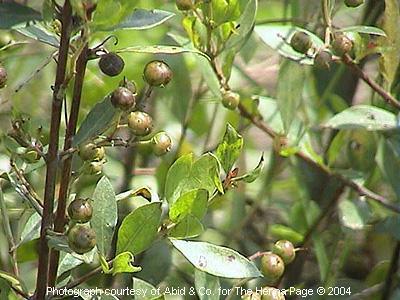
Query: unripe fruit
{"type": "Point", "coordinates": [342, 45]}
{"type": "Point", "coordinates": [353, 3]}
{"type": "Point", "coordinates": [157, 73]}
{"type": "Point", "coordinates": [285, 250]}
{"type": "Point", "coordinates": [230, 100]}
{"type": "Point", "coordinates": [30, 156]}
{"type": "Point", "coordinates": [80, 210]}
{"type": "Point", "coordinates": [3, 77]}
{"type": "Point", "coordinates": [111, 64]}
{"type": "Point", "coordinates": [90, 151]}
{"type": "Point", "coordinates": [81, 239]}
{"type": "Point", "coordinates": [271, 293]}
{"type": "Point", "coordinates": [123, 98]}
{"type": "Point", "coordinates": [323, 59]}
{"type": "Point", "coordinates": [162, 143]}
{"type": "Point", "coordinates": [272, 266]}
{"type": "Point", "coordinates": [301, 42]}
{"type": "Point", "coordinates": [184, 4]}
{"type": "Point", "coordinates": [140, 123]}
{"type": "Point", "coordinates": [93, 168]}
{"type": "Point", "coordinates": [130, 85]}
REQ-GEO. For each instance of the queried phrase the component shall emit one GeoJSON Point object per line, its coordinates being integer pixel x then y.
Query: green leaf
{"type": "Point", "coordinates": [193, 202]}
{"type": "Point", "coordinates": [48, 10]}
{"type": "Point", "coordinates": [282, 232]}
{"type": "Point", "coordinates": [14, 281]}
{"type": "Point", "coordinates": [390, 226]}
{"type": "Point", "coordinates": [139, 228]}
{"type": "Point", "coordinates": [161, 49]}
{"type": "Point", "coordinates": [188, 227]}
{"type": "Point", "coordinates": [12, 13]}
{"type": "Point", "coordinates": [40, 34]}
{"type": "Point", "coordinates": [122, 263]}
{"type": "Point", "coordinates": [389, 163]}
{"type": "Point", "coordinates": [96, 121]}
{"type": "Point", "coordinates": [353, 214]}
{"type": "Point", "coordinates": [105, 214]}
{"type": "Point", "coordinates": [290, 90]}
{"type": "Point", "coordinates": [363, 116]}
{"type": "Point", "coordinates": [216, 260]}
{"type": "Point", "coordinates": [209, 76]}
{"type": "Point", "coordinates": [142, 19]}
{"type": "Point", "coordinates": [228, 151]}
{"type": "Point", "coordinates": [225, 10]}
{"type": "Point", "coordinates": [112, 12]}
{"type": "Point", "coordinates": [252, 175]}
{"type": "Point", "coordinates": [147, 291]}
{"type": "Point", "coordinates": [67, 262]}
{"type": "Point", "coordinates": [207, 286]}
{"type": "Point", "coordinates": [278, 36]}
{"type": "Point", "coordinates": [186, 174]}
{"type": "Point", "coordinates": [32, 228]}
{"type": "Point", "coordinates": [364, 29]}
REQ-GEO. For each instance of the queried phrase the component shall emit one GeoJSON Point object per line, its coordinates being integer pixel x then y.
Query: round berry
{"type": "Point", "coordinates": [140, 123]}
{"type": "Point", "coordinates": [157, 73]}
{"type": "Point", "coordinates": [271, 293]}
{"type": "Point", "coordinates": [323, 59]}
{"type": "Point", "coordinates": [81, 239]}
{"type": "Point", "coordinates": [111, 64]}
{"type": "Point", "coordinates": [342, 44]}
{"type": "Point", "coordinates": [30, 156]}
{"type": "Point", "coordinates": [353, 3]}
{"type": "Point", "coordinates": [80, 210]}
{"type": "Point", "coordinates": [130, 85]}
{"type": "Point", "coordinates": [90, 151]}
{"type": "Point", "coordinates": [162, 143]}
{"type": "Point", "coordinates": [272, 266]}
{"type": "Point", "coordinates": [230, 100]}
{"type": "Point", "coordinates": [301, 42]}
{"type": "Point", "coordinates": [123, 98]}
{"type": "Point", "coordinates": [3, 77]}
{"type": "Point", "coordinates": [184, 4]}
{"type": "Point", "coordinates": [285, 250]}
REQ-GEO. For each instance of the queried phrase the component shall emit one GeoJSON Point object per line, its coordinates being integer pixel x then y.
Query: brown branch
{"type": "Point", "coordinates": [60, 220]}
{"type": "Point", "coordinates": [52, 155]}
{"type": "Point", "coordinates": [376, 87]}
{"type": "Point", "coordinates": [394, 263]}
{"type": "Point", "coordinates": [361, 190]}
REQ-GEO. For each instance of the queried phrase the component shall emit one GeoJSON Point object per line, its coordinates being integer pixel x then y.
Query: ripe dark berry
{"type": "Point", "coordinates": [323, 59]}
{"type": "Point", "coordinates": [230, 100]}
{"type": "Point", "coordinates": [80, 210]}
{"type": "Point", "coordinates": [162, 143]}
{"type": "Point", "coordinates": [111, 64]}
{"type": "Point", "coordinates": [123, 98]}
{"type": "Point", "coordinates": [3, 77]}
{"type": "Point", "coordinates": [272, 266]}
{"type": "Point", "coordinates": [271, 293]}
{"type": "Point", "coordinates": [140, 123]}
{"type": "Point", "coordinates": [301, 42]}
{"type": "Point", "coordinates": [81, 239]}
{"type": "Point", "coordinates": [157, 73]}
{"type": "Point", "coordinates": [90, 152]}
{"type": "Point", "coordinates": [285, 250]}
{"type": "Point", "coordinates": [184, 4]}
{"type": "Point", "coordinates": [353, 3]}
{"type": "Point", "coordinates": [342, 45]}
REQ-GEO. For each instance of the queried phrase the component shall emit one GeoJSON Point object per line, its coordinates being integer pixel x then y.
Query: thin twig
{"type": "Point", "coordinates": [394, 264]}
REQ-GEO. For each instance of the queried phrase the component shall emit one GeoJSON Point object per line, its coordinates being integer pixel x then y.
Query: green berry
{"type": "Point", "coordinates": [80, 210]}
{"type": "Point", "coordinates": [161, 143]}
{"type": "Point", "coordinates": [301, 42]}
{"type": "Point", "coordinates": [353, 3]}
{"type": "Point", "coordinates": [123, 98]}
{"type": "Point", "coordinates": [30, 156]}
{"type": "Point", "coordinates": [184, 4]}
{"type": "Point", "coordinates": [111, 64]}
{"type": "Point", "coordinates": [81, 239]}
{"type": "Point", "coordinates": [323, 59]}
{"type": "Point", "coordinates": [3, 77]}
{"type": "Point", "coordinates": [230, 100]}
{"type": "Point", "coordinates": [272, 266]}
{"type": "Point", "coordinates": [285, 250]}
{"type": "Point", "coordinates": [140, 123]}
{"type": "Point", "coordinates": [157, 73]}
{"type": "Point", "coordinates": [90, 152]}
{"type": "Point", "coordinates": [271, 293]}
{"type": "Point", "coordinates": [342, 45]}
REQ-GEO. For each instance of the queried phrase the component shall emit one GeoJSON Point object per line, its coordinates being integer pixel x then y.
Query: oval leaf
{"type": "Point", "coordinates": [363, 116]}
{"type": "Point", "coordinates": [105, 214]}
{"type": "Point", "coordinates": [228, 150]}
{"type": "Point", "coordinates": [207, 286]}
{"type": "Point", "coordinates": [161, 50]}
{"type": "Point", "coordinates": [216, 260]}
{"type": "Point", "coordinates": [189, 227]}
{"type": "Point", "coordinates": [193, 202]}
{"type": "Point", "coordinates": [139, 228]}
{"type": "Point", "coordinates": [12, 13]}
{"type": "Point", "coordinates": [364, 29]}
